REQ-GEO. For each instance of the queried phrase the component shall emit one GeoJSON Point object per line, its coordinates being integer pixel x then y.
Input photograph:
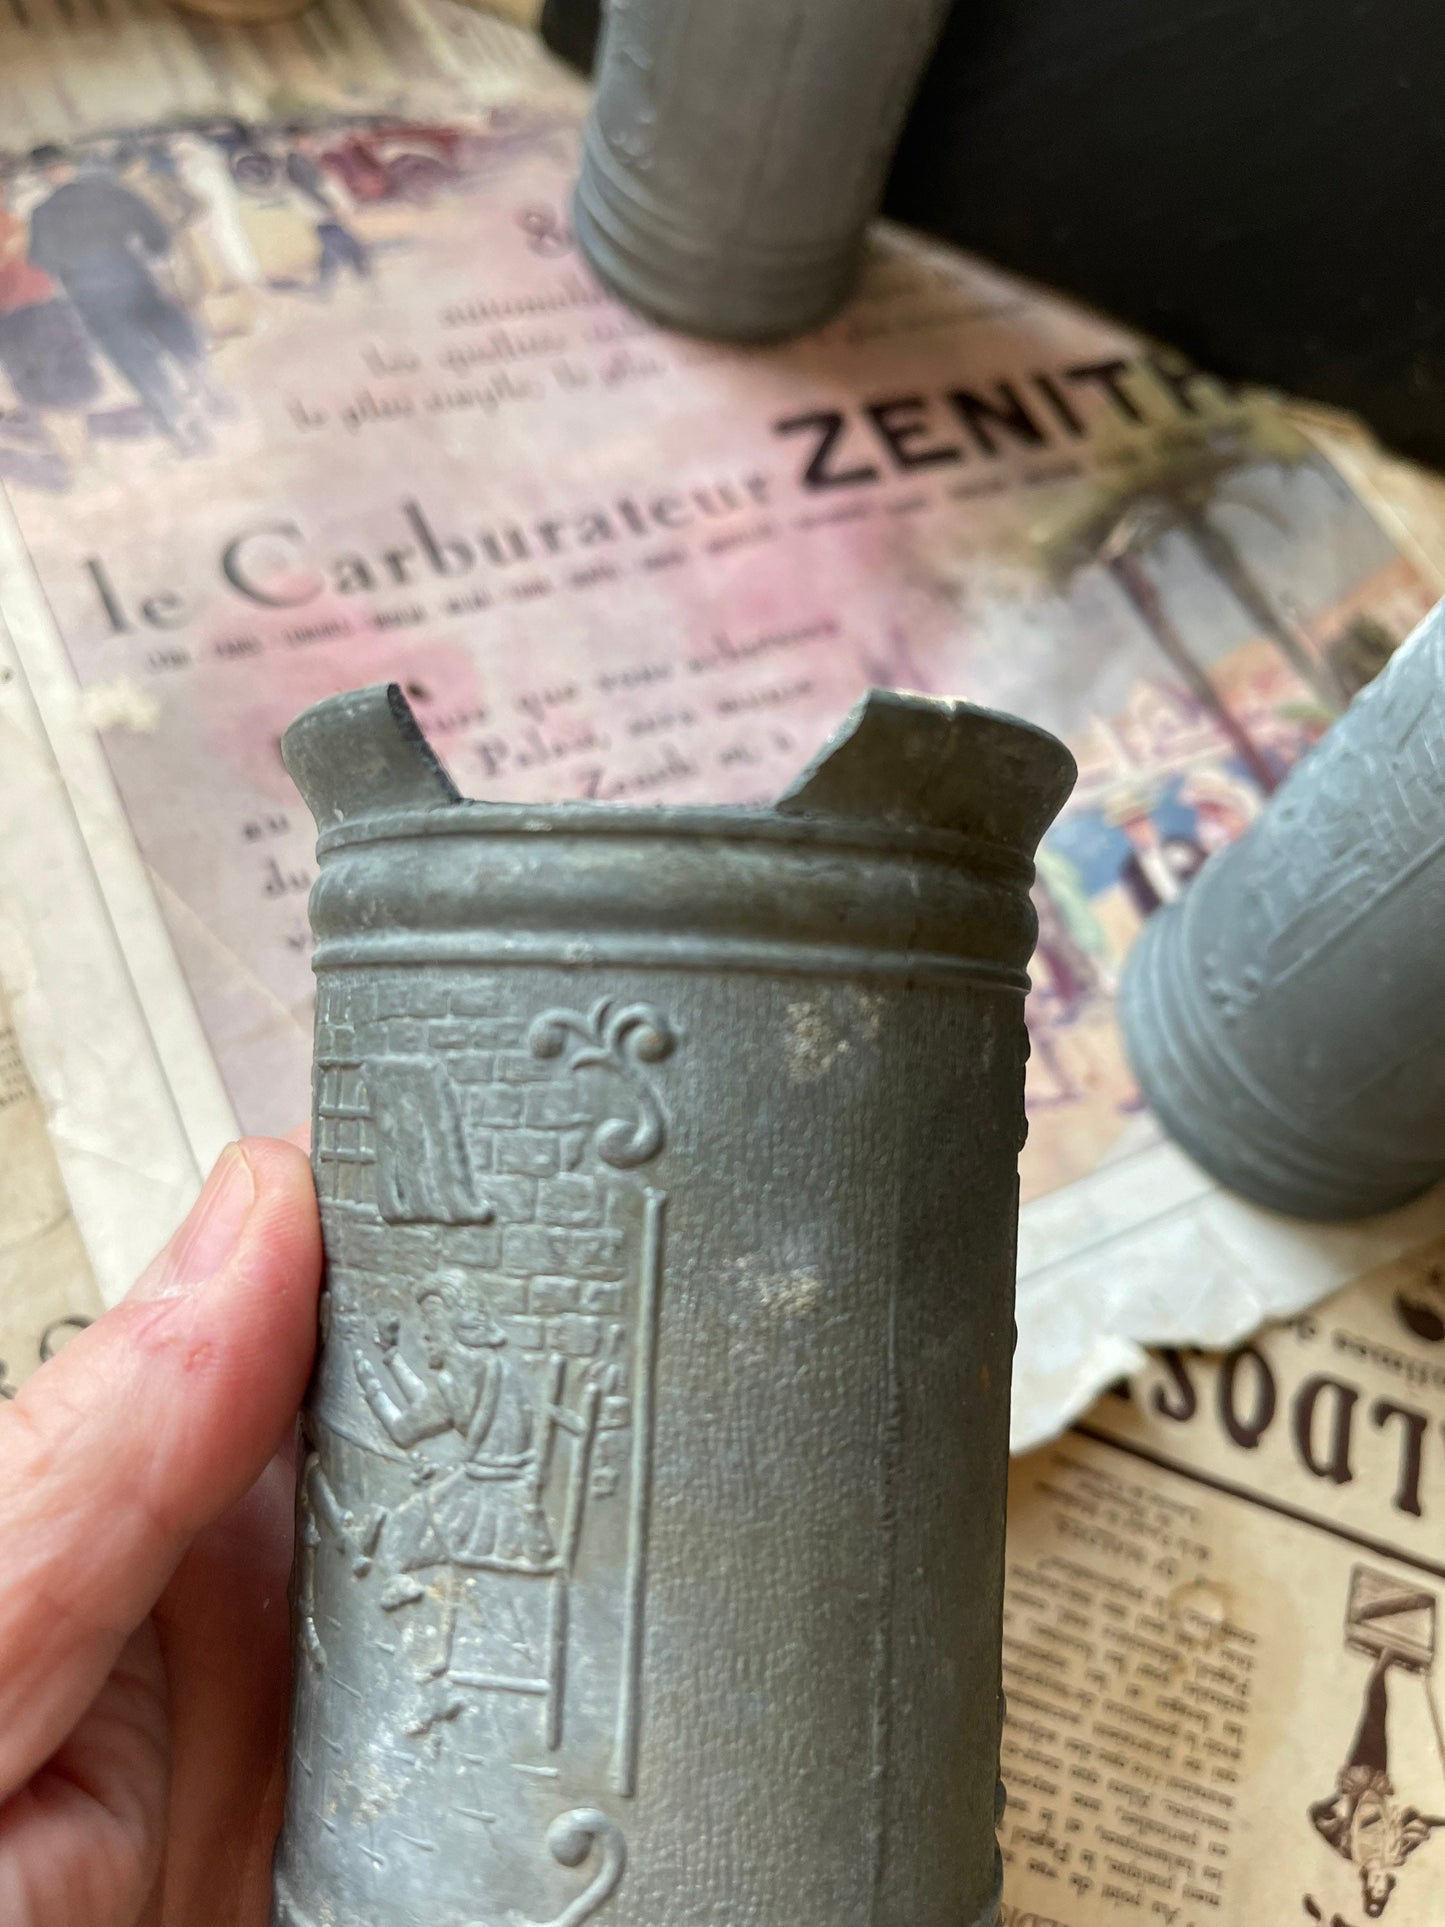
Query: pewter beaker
{"type": "Point", "coordinates": [735, 154]}
{"type": "Point", "coordinates": [651, 1512]}
{"type": "Point", "coordinates": [1285, 1019]}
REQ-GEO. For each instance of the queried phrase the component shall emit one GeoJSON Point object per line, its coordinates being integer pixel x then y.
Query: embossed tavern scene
{"type": "Point", "coordinates": [484, 1167]}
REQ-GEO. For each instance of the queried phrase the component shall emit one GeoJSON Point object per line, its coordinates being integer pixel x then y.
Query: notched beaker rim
{"type": "Point", "coordinates": [917, 774]}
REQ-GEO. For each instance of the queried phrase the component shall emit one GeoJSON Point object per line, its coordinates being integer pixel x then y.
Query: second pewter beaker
{"type": "Point", "coordinates": [651, 1514]}
{"type": "Point", "coordinates": [1285, 1019]}
{"type": "Point", "coordinates": [735, 153]}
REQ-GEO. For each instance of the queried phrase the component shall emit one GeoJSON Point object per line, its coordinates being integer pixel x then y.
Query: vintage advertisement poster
{"type": "Point", "coordinates": [300, 405]}
{"type": "Point", "coordinates": [1222, 1648]}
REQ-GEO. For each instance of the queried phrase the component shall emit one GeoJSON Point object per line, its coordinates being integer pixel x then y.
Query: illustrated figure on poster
{"type": "Point", "coordinates": [330, 206]}
{"type": "Point", "coordinates": [1091, 967]}
{"type": "Point", "coordinates": [230, 268]}
{"type": "Point", "coordinates": [45, 357]}
{"type": "Point", "coordinates": [1157, 867]}
{"type": "Point", "coordinates": [1364, 1820]}
{"type": "Point", "coordinates": [1061, 966]}
{"type": "Point", "coordinates": [145, 169]}
{"type": "Point", "coordinates": [212, 266]}
{"type": "Point", "coordinates": [1059, 982]}
{"type": "Point", "coordinates": [1072, 970]}
{"type": "Point", "coordinates": [105, 246]}
{"type": "Point", "coordinates": [1223, 806]}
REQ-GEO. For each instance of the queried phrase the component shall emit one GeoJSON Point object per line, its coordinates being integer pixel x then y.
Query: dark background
{"type": "Point", "coordinates": [1261, 182]}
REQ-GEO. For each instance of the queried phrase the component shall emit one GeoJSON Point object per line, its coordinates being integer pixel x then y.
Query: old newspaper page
{"type": "Point", "coordinates": [322, 394]}
{"type": "Point", "coordinates": [1222, 1642]}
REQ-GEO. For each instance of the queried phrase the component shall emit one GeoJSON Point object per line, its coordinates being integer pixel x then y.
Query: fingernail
{"type": "Point", "coordinates": [209, 1235]}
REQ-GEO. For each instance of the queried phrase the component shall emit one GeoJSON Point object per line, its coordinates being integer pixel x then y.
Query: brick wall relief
{"type": "Point", "coordinates": [494, 1264]}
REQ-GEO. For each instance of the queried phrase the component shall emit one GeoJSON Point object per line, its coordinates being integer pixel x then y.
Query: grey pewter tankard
{"type": "Point", "coordinates": [1286, 1019]}
{"type": "Point", "coordinates": [736, 152]}
{"type": "Point", "coordinates": [651, 1503]}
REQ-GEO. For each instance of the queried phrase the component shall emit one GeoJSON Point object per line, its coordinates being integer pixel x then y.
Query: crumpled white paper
{"type": "Point", "coordinates": [1206, 1270]}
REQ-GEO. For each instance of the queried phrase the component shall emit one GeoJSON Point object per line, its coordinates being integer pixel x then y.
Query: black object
{"type": "Point", "coordinates": [571, 29]}
{"type": "Point", "coordinates": [1259, 182]}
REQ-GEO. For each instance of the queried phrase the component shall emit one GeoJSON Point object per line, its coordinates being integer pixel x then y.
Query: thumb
{"type": "Point", "coordinates": [143, 1430]}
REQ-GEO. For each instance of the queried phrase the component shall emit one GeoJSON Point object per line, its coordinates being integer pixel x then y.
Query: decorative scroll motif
{"type": "Point", "coordinates": [570, 1838]}
{"type": "Point", "coordinates": [621, 1039]}
{"type": "Point", "coordinates": [1232, 994]}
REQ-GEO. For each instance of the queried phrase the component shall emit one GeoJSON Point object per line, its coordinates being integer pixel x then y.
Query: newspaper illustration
{"type": "Point", "coordinates": [306, 404]}
{"type": "Point", "coordinates": [1392, 1623]}
{"type": "Point", "coordinates": [1222, 1633]}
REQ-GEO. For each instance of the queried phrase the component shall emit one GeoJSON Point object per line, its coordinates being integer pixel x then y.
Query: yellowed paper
{"type": "Point", "coordinates": [1407, 500]}
{"type": "Point", "coordinates": [1222, 1646]}
{"type": "Point", "coordinates": [47, 1290]}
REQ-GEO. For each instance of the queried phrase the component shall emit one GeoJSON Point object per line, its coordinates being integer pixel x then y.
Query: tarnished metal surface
{"type": "Point", "coordinates": [1285, 1019]}
{"type": "Point", "coordinates": [651, 1509]}
{"type": "Point", "coordinates": [734, 154]}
